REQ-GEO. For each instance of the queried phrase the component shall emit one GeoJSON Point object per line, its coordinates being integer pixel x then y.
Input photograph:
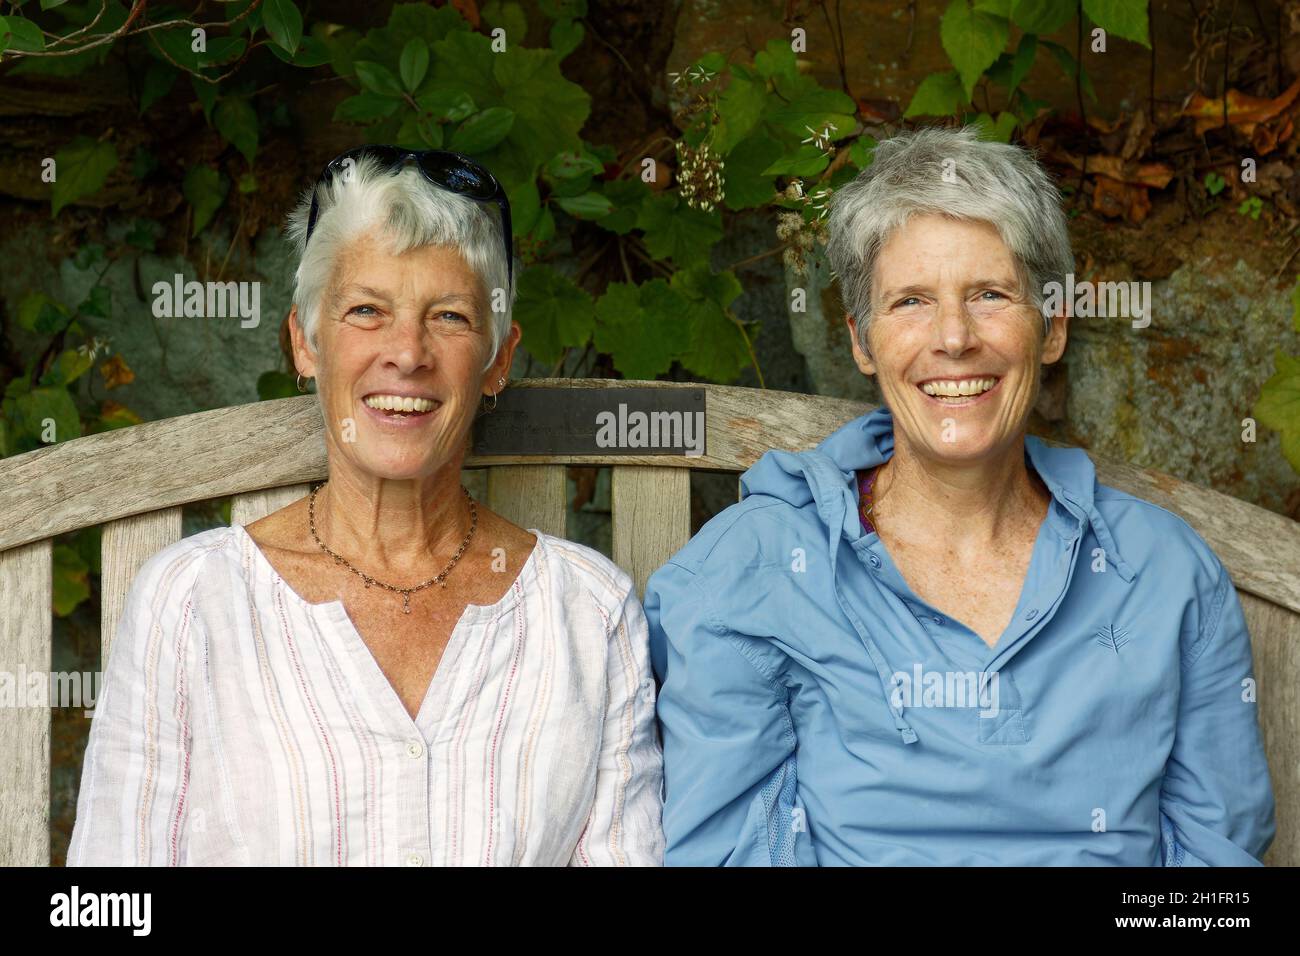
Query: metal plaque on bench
{"type": "Point", "coordinates": [594, 421]}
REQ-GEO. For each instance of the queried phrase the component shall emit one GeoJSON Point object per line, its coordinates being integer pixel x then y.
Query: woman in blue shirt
{"type": "Point", "coordinates": [934, 639]}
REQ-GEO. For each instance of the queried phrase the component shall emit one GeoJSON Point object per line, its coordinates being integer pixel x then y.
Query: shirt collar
{"type": "Point", "coordinates": [1068, 473]}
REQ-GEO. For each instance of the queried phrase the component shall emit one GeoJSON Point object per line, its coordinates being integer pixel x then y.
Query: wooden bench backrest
{"type": "Point", "coordinates": [135, 481]}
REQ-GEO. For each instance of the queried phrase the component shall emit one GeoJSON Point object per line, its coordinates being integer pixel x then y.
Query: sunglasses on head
{"type": "Point", "coordinates": [445, 169]}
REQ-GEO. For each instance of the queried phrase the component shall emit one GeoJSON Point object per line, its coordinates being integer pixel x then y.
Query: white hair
{"type": "Point", "coordinates": [953, 173]}
{"type": "Point", "coordinates": [410, 212]}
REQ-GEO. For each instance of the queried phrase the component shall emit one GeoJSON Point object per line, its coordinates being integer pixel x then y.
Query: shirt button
{"type": "Point", "coordinates": [415, 750]}
{"type": "Point", "coordinates": [1031, 614]}
{"type": "Point", "coordinates": [875, 561]}
{"type": "Point", "coordinates": [415, 860]}
{"type": "Point", "coordinates": [938, 620]}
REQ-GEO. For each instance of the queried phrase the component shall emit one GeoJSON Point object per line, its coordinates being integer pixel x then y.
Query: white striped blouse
{"type": "Point", "coordinates": [240, 725]}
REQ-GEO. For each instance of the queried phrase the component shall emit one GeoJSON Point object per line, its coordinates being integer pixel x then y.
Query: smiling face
{"type": "Point", "coordinates": [955, 343]}
{"type": "Point", "coordinates": [403, 340]}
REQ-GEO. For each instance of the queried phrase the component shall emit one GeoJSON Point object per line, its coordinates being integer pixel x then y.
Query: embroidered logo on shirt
{"type": "Point", "coordinates": [1112, 637]}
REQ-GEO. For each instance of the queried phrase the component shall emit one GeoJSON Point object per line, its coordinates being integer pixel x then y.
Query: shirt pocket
{"type": "Point", "coordinates": [1003, 720]}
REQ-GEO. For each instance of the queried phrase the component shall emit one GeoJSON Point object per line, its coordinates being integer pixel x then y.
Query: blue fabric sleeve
{"type": "Point", "coordinates": [1216, 798]}
{"type": "Point", "coordinates": [730, 783]}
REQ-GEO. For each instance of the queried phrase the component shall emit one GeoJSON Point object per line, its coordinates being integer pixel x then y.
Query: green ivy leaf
{"type": "Point", "coordinates": [643, 328]}
{"type": "Point", "coordinates": [700, 283]}
{"type": "Point", "coordinates": [40, 314]}
{"type": "Point", "coordinates": [1121, 17]}
{"type": "Point", "coordinates": [98, 303]}
{"type": "Point", "coordinates": [717, 348]}
{"type": "Point", "coordinates": [553, 313]}
{"type": "Point", "coordinates": [999, 130]}
{"type": "Point", "coordinates": [482, 131]}
{"type": "Point", "coordinates": [19, 33]}
{"type": "Point", "coordinates": [862, 152]}
{"type": "Point", "coordinates": [205, 190]}
{"type": "Point", "coordinates": [428, 23]}
{"type": "Point", "coordinates": [566, 35]}
{"type": "Point", "coordinates": [549, 109]}
{"type": "Point", "coordinates": [1010, 71]}
{"type": "Point", "coordinates": [740, 107]}
{"type": "Point", "coordinates": [206, 93]}
{"type": "Point", "coordinates": [71, 580]}
{"type": "Point", "coordinates": [82, 168]}
{"type": "Point", "coordinates": [815, 108]}
{"type": "Point", "coordinates": [157, 82]}
{"type": "Point", "coordinates": [222, 50]}
{"type": "Point", "coordinates": [748, 184]}
{"type": "Point", "coordinates": [283, 23]}
{"type": "Point", "coordinates": [365, 108]}
{"type": "Point", "coordinates": [447, 105]}
{"type": "Point", "coordinates": [1001, 7]}
{"type": "Point", "coordinates": [91, 255]}
{"type": "Point", "coordinates": [544, 231]}
{"type": "Point", "coordinates": [34, 409]}
{"type": "Point", "coordinates": [940, 94]}
{"type": "Point", "coordinates": [69, 366]}
{"type": "Point", "coordinates": [776, 59]}
{"type": "Point", "coordinates": [590, 205]}
{"type": "Point", "coordinates": [241, 24]}
{"type": "Point", "coordinates": [377, 78]}
{"type": "Point", "coordinates": [177, 43]}
{"type": "Point", "coordinates": [972, 39]}
{"type": "Point", "coordinates": [626, 195]}
{"type": "Point", "coordinates": [674, 230]}
{"type": "Point", "coordinates": [525, 207]}
{"type": "Point", "coordinates": [312, 52]}
{"type": "Point", "coordinates": [236, 121]}
{"type": "Point", "coordinates": [510, 17]}
{"type": "Point", "coordinates": [804, 161]}
{"type": "Point", "coordinates": [574, 163]}
{"type": "Point", "coordinates": [1278, 407]}
{"type": "Point", "coordinates": [414, 63]}
{"type": "Point", "coordinates": [1042, 16]}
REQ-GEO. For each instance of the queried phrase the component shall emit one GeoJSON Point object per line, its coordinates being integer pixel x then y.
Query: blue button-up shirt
{"type": "Point", "coordinates": [815, 710]}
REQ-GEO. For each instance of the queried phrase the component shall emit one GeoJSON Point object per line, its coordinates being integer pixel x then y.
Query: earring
{"type": "Point", "coordinates": [301, 387]}
{"type": "Point", "coordinates": [493, 406]}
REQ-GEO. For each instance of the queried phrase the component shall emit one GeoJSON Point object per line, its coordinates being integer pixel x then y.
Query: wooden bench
{"type": "Point", "coordinates": [134, 482]}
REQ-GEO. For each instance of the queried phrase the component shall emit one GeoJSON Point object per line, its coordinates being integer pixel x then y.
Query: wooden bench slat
{"type": "Point", "coordinates": [651, 518]}
{"type": "Point", "coordinates": [126, 545]}
{"type": "Point", "coordinates": [254, 505]}
{"type": "Point", "coordinates": [245, 448]}
{"type": "Point", "coordinates": [532, 496]}
{"type": "Point", "coordinates": [1275, 646]}
{"type": "Point", "coordinates": [26, 603]}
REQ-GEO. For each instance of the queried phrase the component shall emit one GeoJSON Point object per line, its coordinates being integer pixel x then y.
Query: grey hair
{"type": "Point", "coordinates": [998, 183]}
{"type": "Point", "coordinates": [410, 212]}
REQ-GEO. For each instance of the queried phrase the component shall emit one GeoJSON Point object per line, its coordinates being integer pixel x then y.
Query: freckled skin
{"type": "Point", "coordinates": [956, 507]}
{"type": "Point", "coordinates": [393, 505]}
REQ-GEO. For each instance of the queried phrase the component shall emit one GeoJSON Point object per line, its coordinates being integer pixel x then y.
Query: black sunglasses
{"type": "Point", "coordinates": [445, 169]}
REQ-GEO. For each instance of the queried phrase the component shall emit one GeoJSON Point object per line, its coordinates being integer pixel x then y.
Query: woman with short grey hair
{"type": "Point", "coordinates": [384, 672]}
{"type": "Point", "coordinates": [934, 639]}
